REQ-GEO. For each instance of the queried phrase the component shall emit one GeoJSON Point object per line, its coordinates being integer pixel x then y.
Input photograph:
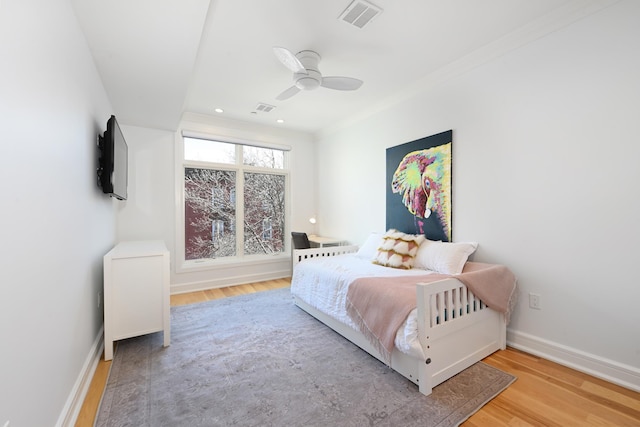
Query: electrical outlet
{"type": "Point", "coordinates": [534, 301]}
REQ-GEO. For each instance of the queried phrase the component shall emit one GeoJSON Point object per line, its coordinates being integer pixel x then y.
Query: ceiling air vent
{"type": "Point", "coordinates": [264, 108]}
{"type": "Point", "coordinates": [360, 13]}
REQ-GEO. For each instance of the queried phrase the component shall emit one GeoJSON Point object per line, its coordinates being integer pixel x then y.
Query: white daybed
{"type": "Point", "coordinates": [449, 330]}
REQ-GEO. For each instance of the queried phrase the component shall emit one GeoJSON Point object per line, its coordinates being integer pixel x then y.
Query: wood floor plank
{"type": "Point", "coordinates": [189, 298]}
{"type": "Point", "coordinates": [214, 294]}
{"type": "Point", "coordinates": [611, 395]}
{"type": "Point", "coordinates": [545, 393]}
{"type": "Point", "coordinates": [234, 291]}
{"type": "Point", "coordinates": [91, 403]}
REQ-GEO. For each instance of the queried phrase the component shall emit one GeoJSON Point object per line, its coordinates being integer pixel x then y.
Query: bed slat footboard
{"type": "Point", "coordinates": [456, 329]}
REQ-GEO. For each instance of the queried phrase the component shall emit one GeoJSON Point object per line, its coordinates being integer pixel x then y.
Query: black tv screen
{"type": "Point", "coordinates": [113, 161]}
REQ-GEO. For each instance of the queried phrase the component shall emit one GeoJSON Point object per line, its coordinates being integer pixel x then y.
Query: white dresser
{"type": "Point", "coordinates": [136, 292]}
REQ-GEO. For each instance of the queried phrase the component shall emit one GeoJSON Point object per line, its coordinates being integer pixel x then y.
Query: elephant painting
{"type": "Point", "coordinates": [422, 179]}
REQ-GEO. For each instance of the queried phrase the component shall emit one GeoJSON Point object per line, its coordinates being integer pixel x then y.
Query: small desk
{"type": "Point", "coordinates": [321, 242]}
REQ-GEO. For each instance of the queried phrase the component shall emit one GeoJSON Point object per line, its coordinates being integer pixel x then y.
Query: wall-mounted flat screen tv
{"type": "Point", "coordinates": [113, 161]}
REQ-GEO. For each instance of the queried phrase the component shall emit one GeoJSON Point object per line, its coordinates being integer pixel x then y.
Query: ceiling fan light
{"type": "Point", "coordinates": [307, 83]}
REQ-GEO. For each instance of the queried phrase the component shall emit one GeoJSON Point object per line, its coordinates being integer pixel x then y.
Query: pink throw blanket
{"type": "Point", "coordinates": [494, 284]}
{"type": "Point", "coordinates": [380, 305]}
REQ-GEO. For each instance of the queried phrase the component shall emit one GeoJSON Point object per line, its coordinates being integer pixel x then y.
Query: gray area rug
{"type": "Point", "coordinates": [258, 360]}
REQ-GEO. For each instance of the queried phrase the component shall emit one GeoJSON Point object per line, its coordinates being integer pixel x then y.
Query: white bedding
{"type": "Point", "coordinates": [309, 283]}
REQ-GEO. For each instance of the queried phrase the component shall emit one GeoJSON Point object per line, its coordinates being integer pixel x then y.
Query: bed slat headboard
{"type": "Point", "coordinates": [303, 254]}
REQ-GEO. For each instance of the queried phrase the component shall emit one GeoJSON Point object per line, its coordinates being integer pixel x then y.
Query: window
{"type": "Point", "coordinates": [234, 200]}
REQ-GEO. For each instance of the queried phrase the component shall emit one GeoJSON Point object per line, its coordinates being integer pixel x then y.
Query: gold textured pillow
{"type": "Point", "coordinates": [398, 249]}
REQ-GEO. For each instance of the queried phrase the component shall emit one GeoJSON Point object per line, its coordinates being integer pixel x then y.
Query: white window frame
{"type": "Point", "coordinates": [183, 265]}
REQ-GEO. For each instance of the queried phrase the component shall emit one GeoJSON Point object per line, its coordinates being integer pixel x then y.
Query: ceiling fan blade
{"type": "Point", "coordinates": [341, 83]}
{"type": "Point", "coordinates": [288, 93]}
{"type": "Point", "coordinates": [289, 59]}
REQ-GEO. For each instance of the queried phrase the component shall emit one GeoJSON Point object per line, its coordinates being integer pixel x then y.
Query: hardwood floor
{"type": "Point", "coordinates": [548, 394]}
{"type": "Point", "coordinates": [545, 393]}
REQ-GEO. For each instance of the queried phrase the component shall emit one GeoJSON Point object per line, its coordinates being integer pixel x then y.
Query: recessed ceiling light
{"type": "Point", "coordinates": [219, 110]}
{"type": "Point", "coordinates": [280, 121]}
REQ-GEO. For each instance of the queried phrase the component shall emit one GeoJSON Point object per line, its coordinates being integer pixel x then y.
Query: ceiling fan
{"type": "Point", "coordinates": [306, 75]}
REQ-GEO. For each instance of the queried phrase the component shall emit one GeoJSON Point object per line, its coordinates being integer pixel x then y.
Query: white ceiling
{"type": "Point", "coordinates": [161, 58]}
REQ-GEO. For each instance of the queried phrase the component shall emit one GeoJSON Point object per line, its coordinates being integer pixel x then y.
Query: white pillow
{"type": "Point", "coordinates": [444, 257]}
{"type": "Point", "coordinates": [369, 248]}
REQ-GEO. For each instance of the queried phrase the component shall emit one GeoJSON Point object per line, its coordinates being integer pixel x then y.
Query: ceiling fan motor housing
{"type": "Point", "coordinates": [307, 81]}
{"type": "Point", "coordinates": [312, 78]}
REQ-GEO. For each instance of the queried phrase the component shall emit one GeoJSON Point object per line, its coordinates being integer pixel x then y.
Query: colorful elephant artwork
{"type": "Point", "coordinates": [422, 179]}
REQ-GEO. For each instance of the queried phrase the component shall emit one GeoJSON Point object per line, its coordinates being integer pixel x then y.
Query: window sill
{"type": "Point", "coordinates": [231, 262]}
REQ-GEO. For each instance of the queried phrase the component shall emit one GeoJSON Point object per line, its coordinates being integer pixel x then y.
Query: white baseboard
{"type": "Point", "coordinates": [181, 288]}
{"type": "Point", "coordinates": [72, 407]}
{"type": "Point", "coordinates": [600, 367]}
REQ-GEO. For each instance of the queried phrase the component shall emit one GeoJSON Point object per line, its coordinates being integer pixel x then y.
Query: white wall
{"type": "Point", "coordinates": [150, 210]}
{"type": "Point", "coordinates": [545, 178]}
{"type": "Point", "coordinates": [56, 225]}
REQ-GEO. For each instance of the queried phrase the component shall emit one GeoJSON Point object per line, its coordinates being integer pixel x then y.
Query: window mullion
{"type": "Point", "coordinates": [240, 212]}
{"type": "Point", "coordinates": [239, 203]}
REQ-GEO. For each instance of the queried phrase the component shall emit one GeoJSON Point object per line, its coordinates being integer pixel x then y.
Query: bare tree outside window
{"type": "Point", "coordinates": [262, 157]}
{"type": "Point", "coordinates": [263, 200]}
{"type": "Point", "coordinates": [211, 200]}
{"type": "Point", "coordinates": [209, 206]}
